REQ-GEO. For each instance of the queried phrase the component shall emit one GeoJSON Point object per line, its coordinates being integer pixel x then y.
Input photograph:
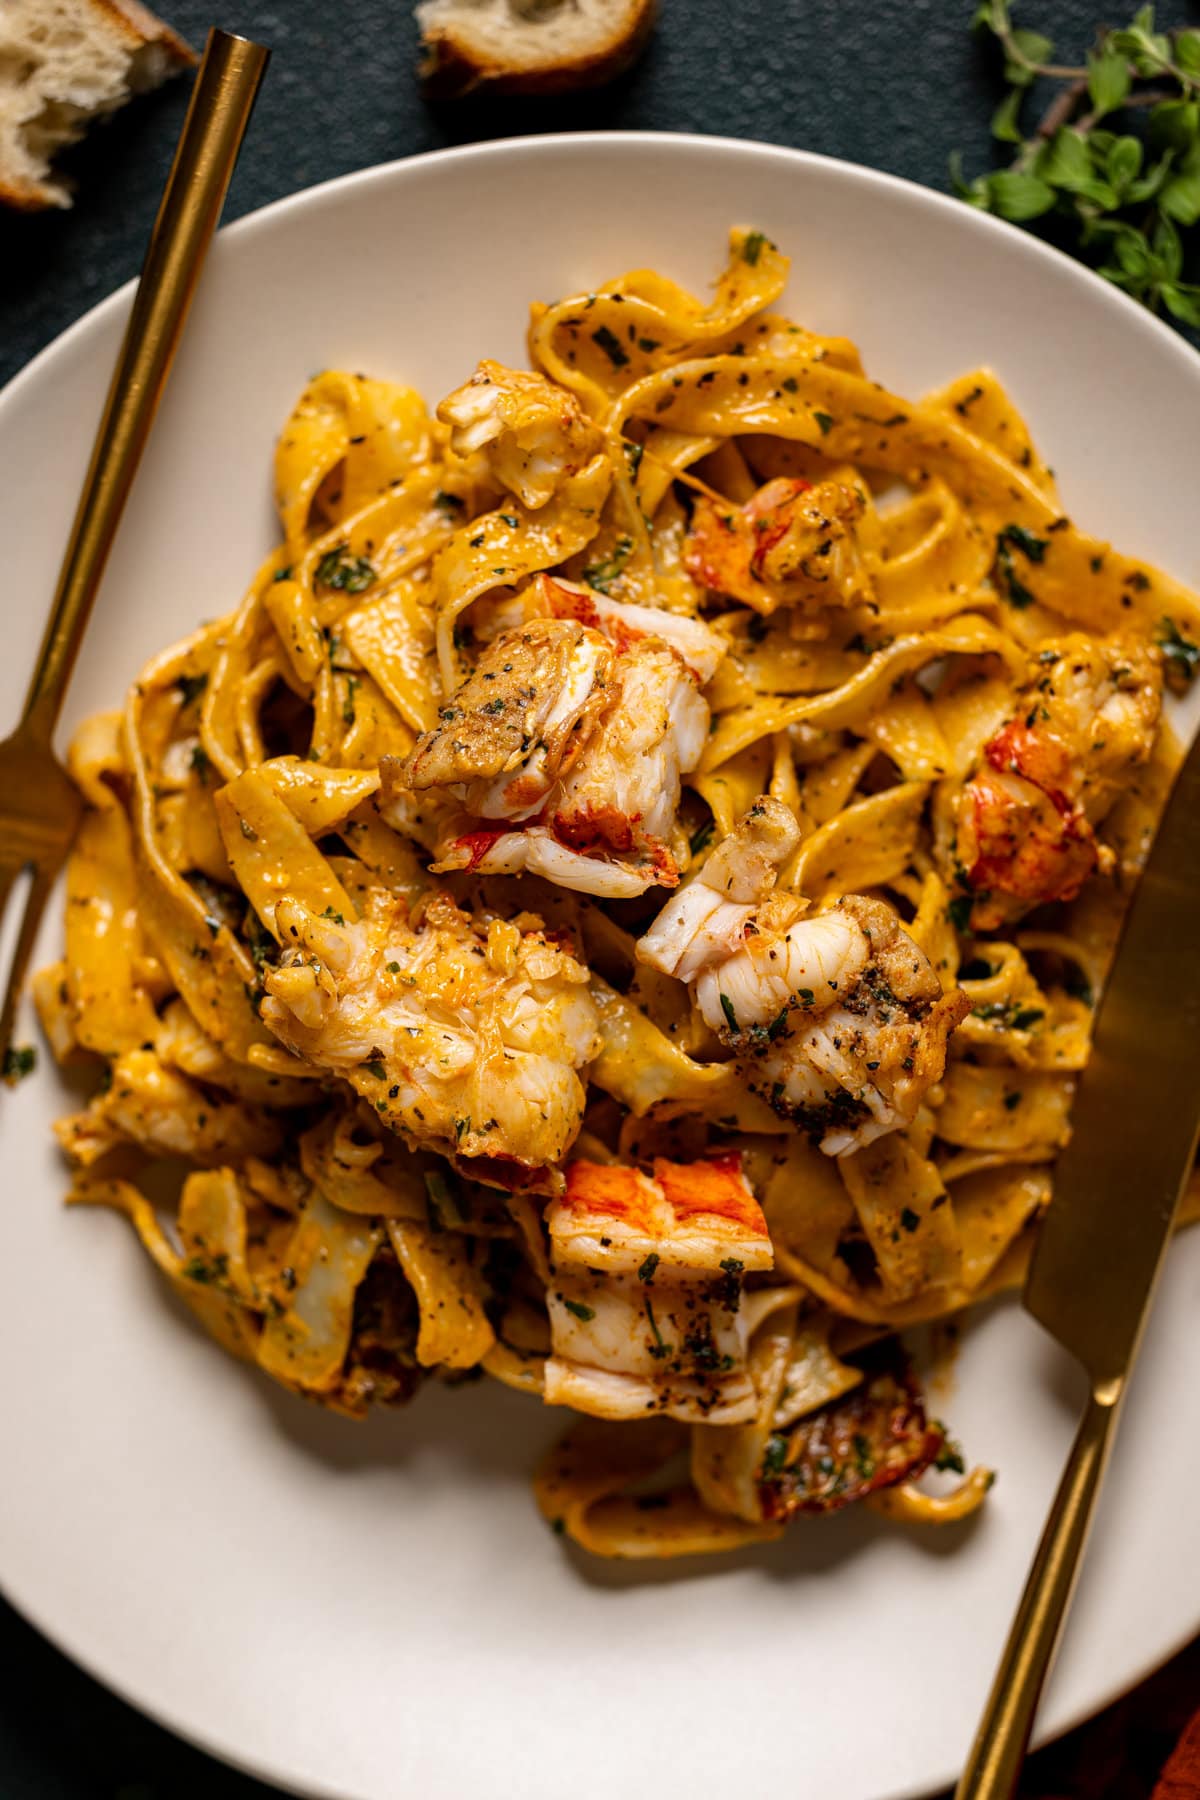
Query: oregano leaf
{"type": "Point", "coordinates": [1018, 197]}
{"type": "Point", "coordinates": [1109, 81]}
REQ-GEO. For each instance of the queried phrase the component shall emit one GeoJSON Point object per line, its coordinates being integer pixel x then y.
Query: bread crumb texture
{"type": "Point", "coordinates": [529, 46]}
{"type": "Point", "coordinates": [64, 63]}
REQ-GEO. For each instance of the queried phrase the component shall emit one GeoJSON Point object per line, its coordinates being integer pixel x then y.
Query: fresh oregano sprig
{"type": "Point", "coordinates": [1127, 198]}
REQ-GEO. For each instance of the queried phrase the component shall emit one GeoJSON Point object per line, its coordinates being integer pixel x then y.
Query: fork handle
{"type": "Point", "coordinates": [998, 1752]}
{"type": "Point", "coordinates": [217, 116]}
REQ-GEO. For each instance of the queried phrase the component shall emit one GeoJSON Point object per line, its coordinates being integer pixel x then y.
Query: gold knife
{"type": "Point", "coordinates": [1135, 1125]}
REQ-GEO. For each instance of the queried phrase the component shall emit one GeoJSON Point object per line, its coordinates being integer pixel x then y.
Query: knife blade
{"type": "Point", "coordinates": [1136, 1116]}
{"type": "Point", "coordinates": [1100, 1248]}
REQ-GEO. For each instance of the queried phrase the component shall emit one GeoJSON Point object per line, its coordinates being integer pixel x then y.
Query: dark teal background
{"type": "Point", "coordinates": [896, 84]}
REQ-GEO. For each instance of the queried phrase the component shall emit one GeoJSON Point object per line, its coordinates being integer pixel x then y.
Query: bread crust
{"type": "Point", "coordinates": [135, 28]}
{"type": "Point", "coordinates": [138, 25]}
{"type": "Point", "coordinates": [452, 66]}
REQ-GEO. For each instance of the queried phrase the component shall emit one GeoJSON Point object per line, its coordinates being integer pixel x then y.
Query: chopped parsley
{"type": "Point", "coordinates": [825, 421]}
{"type": "Point", "coordinates": [1008, 539]}
{"type": "Point", "coordinates": [348, 574]}
{"type": "Point", "coordinates": [774, 1456]}
{"type": "Point", "coordinates": [586, 1313]}
{"type": "Point", "coordinates": [949, 1458]}
{"type": "Point", "coordinates": [700, 840]}
{"type": "Point", "coordinates": [376, 1068]}
{"type": "Point", "coordinates": [646, 1272]}
{"type": "Point", "coordinates": [1181, 657]}
{"type": "Point", "coordinates": [752, 246]}
{"type": "Point", "coordinates": [20, 1060]}
{"type": "Point", "coordinates": [730, 1015]}
{"type": "Point", "coordinates": [445, 1200]}
{"type": "Point", "coordinates": [657, 1348]}
{"type": "Point", "coordinates": [611, 346]}
{"type": "Point", "coordinates": [602, 574]}
{"type": "Point", "coordinates": [959, 911]}
{"type": "Point", "coordinates": [778, 1023]}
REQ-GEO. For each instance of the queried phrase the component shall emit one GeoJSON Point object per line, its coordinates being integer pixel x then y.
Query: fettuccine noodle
{"type": "Point", "coordinates": [618, 906]}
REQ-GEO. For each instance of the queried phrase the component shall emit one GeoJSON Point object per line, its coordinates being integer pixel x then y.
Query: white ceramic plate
{"type": "Point", "coordinates": [376, 1611]}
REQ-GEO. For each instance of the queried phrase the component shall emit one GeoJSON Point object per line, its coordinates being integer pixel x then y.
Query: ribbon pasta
{"type": "Point", "coordinates": [946, 689]}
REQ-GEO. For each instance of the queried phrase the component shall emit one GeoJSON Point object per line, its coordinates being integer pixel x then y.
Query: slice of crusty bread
{"type": "Point", "coordinates": [529, 46]}
{"type": "Point", "coordinates": [63, 63]}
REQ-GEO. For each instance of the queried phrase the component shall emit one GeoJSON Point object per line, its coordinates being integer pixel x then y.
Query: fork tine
{"type": "Point", "coordinates": [35, 906]}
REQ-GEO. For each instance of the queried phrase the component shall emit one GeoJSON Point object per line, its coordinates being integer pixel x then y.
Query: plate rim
{"type": "Point", "coordinates": [749, 150]}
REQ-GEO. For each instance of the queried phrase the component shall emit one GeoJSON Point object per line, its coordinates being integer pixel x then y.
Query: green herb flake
{"type": "Point", "coordinates": [774, 1457]}
{"type": "Point", "coordinates": [730, 1014]}
{"type": "Point", "coordinates": [959, 911]}
{"type": "Point", "coordinates": [949, 1459]}
{"type": "Point", "coordinates": [778, 1024]}
{"type": "Point", "coordinates": [601, 575]}
{"type": "Point", "coordinates": [611, 346]}
{"type": "Point", "coordinates": [585, 1313]}
{"type": "Point", "coordinates": [864, 1462]}
{"type": "Point", "coordinates": [909, 1219]}
{"type": "Point", "coordinates": [646, 1271]}
{"type": "Point", "coordinates": [826, 421]}
{"type": "Point", "coordinates": [347, 574]}
{"type": "Point", "coordinates": [753, 245]}
{"type": "Point", "coordinates": [20, 1060]}
{"type": "Point", "coordinates": [190, 688]}
{"type": "Point", "coordinates": [1181, 656]}
{"type": "Point", "coordinates": [658, 1349]}
{"type": "Point", "coordinates": [445, 1199]}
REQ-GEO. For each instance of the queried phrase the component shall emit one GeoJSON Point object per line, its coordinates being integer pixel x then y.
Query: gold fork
{"type": "Point", "coordinates": [40, 807]}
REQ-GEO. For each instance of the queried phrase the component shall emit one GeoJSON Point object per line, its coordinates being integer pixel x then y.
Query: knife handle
{"type": "Point", "coordinates": [998, 1752]}
{"type": "Point", "coordinates": [216, 120]}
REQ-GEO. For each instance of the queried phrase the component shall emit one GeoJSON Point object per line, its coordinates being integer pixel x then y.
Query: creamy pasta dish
{"type": "Point", "coordinates": [617, 908]}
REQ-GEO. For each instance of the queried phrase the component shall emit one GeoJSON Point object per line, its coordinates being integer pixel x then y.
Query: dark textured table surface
{"type": "Point", "coordinates": [897, 84]}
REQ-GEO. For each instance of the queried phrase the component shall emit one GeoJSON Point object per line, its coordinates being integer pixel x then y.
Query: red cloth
{"type": "Point", "coordinates": [1180, 1779]}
